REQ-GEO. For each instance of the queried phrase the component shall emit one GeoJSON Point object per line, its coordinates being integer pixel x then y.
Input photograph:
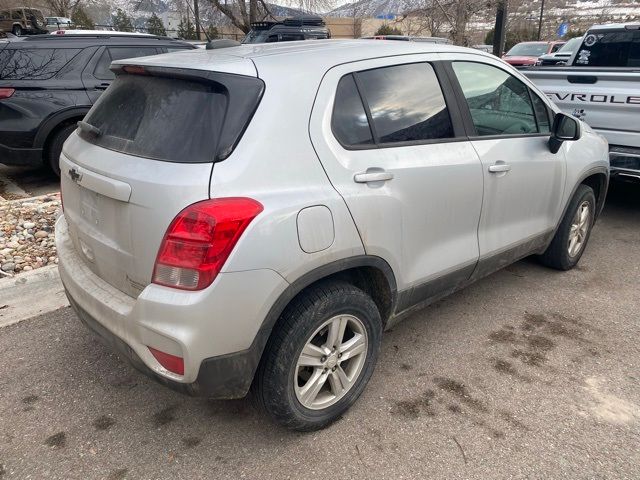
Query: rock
{"type": "Point", "coordinates": [41, 234]}
{"type": "Point", "coordinates": [8, 267]}
{"type": "Point", "coordinates": [26, 268]}
{"type": "Point", "coordinates": [28, 225]}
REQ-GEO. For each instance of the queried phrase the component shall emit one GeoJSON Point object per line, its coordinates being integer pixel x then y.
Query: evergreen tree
{"type": "Point", "coordinates": [155, 26]}
{"type": "Point", "coordinates": [186, 29]}
{"type": "Point", "coordinates": [386, 29]}
{"type": "Point", "coordinates": [122, 22]}
{"type": "Point", "coordinates": [81, 20]}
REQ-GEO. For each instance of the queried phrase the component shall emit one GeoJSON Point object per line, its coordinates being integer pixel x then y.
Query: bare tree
{"type": "Point", "coordinates": [242, 13]}
{"type": "Point", "coordinates": [448, 16]}
{"type": "Point", "coordinates": [62, 8]}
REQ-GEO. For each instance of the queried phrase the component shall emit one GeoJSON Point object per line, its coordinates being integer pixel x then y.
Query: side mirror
{"type": "Point", "coordinates": [565, 129]}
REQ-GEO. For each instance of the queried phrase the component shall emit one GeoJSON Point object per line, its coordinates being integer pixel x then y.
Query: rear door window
{"type": "Point", "coordinates": [406, 103]}
{"type": "Point", "coordinates": [34, 64]}
{"type": "Point", "coordinates": [349, 121]}
{"type": "Point", "coordinates": [172, 119]}
{"type": "Point", "coordinates": [111, 54]}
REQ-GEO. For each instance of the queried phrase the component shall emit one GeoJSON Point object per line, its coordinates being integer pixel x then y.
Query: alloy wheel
{"type": "Point", "coordinates": [331, 362]}
{"type": "Point", "coordinates": [579, 229]}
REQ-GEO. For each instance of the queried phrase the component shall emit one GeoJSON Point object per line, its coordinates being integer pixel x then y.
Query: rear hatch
{"type": "Point", "coordinates": [144, 152]}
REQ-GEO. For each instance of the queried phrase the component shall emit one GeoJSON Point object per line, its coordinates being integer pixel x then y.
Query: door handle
{"type": "Point", "coordinates": [102, 86]}
{"type": "Point", "coordinates": [372, 176]}
{"type": "Point", "coordinates": [499, 167]}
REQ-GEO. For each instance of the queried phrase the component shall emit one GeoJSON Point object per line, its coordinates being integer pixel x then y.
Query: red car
{"type": "Point", "coordinates": [525, 54]}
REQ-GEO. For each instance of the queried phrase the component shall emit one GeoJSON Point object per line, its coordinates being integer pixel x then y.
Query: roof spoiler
{"type": "Point", "coordinates": [221, 43]}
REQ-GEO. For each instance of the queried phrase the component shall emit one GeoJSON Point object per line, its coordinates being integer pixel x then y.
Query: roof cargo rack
{"type": "Point", "coordinates": [311, 20]}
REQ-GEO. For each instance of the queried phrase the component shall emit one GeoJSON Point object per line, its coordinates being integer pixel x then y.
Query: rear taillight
{"type": "Point", "coordinates": [199, 241]}
{"type": "Point", "coordinates": [6, 93]}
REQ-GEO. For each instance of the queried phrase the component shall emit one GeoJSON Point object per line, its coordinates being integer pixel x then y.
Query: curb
{"type": "Point", "coordinates": [29, 294]}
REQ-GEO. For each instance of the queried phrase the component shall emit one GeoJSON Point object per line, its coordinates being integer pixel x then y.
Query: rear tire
{"type": "Point", "coordinates": [17, 30]}
{"type": "Point", "coordinates": [314, 322]}
{"type": "Point", "coordinates": [55, 147]}
{"type": "Point", "coordinates": [572, 236]}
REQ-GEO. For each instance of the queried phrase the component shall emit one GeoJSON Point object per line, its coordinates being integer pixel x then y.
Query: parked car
{"type": "Point", "coordinates": [307, 27]}
{"type": "Point", "coordinates": [601, 85]}
{"type": "Point", "coordinates": [22, 21]}
{"type": "Point", "coordinates": [560, 56]}
{"type": "Point", "coordinates": [409, 38]}
{"type": "Point", "coordinates": [48, 83]}
{"type": "Point", "coordinates": [58, 23]}
{"type": "Point", "coordinates": [526, 54]}
{"type": "Point", "coordinates": [250, 218]}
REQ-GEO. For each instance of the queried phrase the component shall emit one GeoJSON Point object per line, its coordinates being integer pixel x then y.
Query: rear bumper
{"type": "Point", "coordinates": [216, 331]}
{"type": "Point", "coordinates": [20, 156]}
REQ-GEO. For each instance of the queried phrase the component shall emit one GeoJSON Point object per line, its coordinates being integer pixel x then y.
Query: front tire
{"type": "Point", "coordinates": [572, 236]}
{"type": "Point", "coordinates": [17, 30]}
{"type": "Point", "coordinates": [320, 356]}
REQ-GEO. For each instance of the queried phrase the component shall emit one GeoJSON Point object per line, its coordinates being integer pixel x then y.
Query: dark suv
{"type": "Point", "coordinates": [49, 82]}
{"type": "Point", "coordinates": [291, 29]}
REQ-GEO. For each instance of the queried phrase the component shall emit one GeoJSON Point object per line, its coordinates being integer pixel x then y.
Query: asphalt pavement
{"type": "Point", "coordinates": [528, 373]}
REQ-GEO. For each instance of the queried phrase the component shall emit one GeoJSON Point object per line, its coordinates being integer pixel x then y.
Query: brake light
{"type": "Point", "coordinates": [170, 362]}
{"type": "Point", "coordinates": [199, 241]}
{"type": "Point", "coordinates": [6, 93]}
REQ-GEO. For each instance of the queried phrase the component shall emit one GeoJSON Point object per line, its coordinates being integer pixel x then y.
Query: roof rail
{"type": "Point", "coordinates": [80, 36]}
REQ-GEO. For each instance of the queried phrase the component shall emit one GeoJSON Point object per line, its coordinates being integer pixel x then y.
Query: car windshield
{"type": "Point", "coordinates": [528, 49]}
{"type": "Point", "coordinates": [256, 36]}
{"type": "Point", "coordinates": [570, 45]}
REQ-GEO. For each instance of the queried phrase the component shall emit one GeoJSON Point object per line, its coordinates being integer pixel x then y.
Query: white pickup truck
{"type": "Point", "coordinates": [601, 85]}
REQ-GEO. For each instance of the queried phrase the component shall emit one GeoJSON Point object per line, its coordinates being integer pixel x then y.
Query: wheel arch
{"type": "Point", "coordinates": [599, 182]}
{"type": "Point", "coordinates": [596, 178]}
{"type": "Point", "coordinates": [53, 123]}
{"type": "Point", "coordinates": [231, 376]}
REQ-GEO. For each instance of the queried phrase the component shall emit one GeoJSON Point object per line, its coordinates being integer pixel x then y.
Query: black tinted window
{"type": "Point", "coordinates": [406, 103]}
{"type": "Point", "coordinates": [542, 113]}
{"type": "Point", "coordinates": [174, 120]}
{"type": "Point", "coordinates": [33, 64]}
{"type": "Point", "coordinates": [349, 121]}
{"type": "Point", "coordinates": [118, 53]}
{"type": "Point", "coordinates": [499, 103]}
{"type": "Point", "coordinates": [611, 49]}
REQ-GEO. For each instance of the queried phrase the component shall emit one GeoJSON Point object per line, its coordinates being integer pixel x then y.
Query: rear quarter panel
{"type": "Point", "coordinates": [275, 163]}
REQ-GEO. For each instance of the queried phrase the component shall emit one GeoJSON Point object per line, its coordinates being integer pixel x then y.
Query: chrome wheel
{"type": "Point", "coordinates": [579, 229]}
{"type": "Point", "coordinates": [330, 362]}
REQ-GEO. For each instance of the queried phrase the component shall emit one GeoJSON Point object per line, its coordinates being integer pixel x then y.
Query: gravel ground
{"type": "Point", "coordinates": [529, 373]}
{"type": "Point", "coordinates": [27, 233]}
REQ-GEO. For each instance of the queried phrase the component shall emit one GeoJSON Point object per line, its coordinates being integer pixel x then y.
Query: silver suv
{"type": "Point", "coordinates": [252, 218]}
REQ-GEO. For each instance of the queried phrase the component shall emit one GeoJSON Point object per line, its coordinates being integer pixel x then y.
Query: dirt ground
{"type": "Point", "coordinates": [528, 373]}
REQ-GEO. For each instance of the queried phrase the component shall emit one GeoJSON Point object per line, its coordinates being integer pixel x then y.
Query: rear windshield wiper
{"type": "Point", "coordinates": [88, 128]}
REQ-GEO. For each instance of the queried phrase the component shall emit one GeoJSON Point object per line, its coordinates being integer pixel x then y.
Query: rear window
{"type": "Point", "coordinates": [609, 49]}
{"type": "Point", "coordinates": [175, 120]}
{"type": "Point", "coordinates": [33, 64]}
